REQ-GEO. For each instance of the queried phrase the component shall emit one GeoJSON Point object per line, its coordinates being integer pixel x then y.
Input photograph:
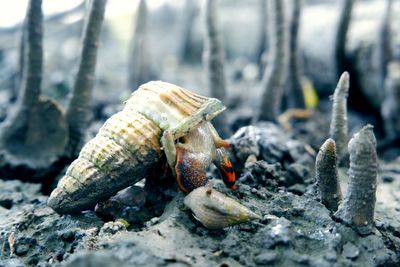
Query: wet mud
{"type": "Point", "coordinates": [276, 180]}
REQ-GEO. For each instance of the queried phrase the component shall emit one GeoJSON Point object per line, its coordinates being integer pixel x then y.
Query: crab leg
{"type": "Point", "coordinates": [218, 141]}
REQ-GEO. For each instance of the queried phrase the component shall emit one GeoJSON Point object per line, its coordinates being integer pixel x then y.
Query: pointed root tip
{"type": "Point", "coordinates": [329, 146]}
{"type": "Point", "coordinates": [366, 134]}
{"type": "Point", "coordinates": [369, 132]}
{"type": "Point", "coordinates": [345, 76]}
{"type": "Point", "coordinates": [368, 127]}
{"type": "Point", "coordinates": [344, 82]}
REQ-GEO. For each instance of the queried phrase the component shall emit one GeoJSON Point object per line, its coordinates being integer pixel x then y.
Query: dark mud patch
{"type": "Point", "coordinates": [275, 180]}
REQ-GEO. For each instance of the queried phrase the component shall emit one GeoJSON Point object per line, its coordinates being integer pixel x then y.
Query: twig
{"type": "Point", "coordinates": [294, 113]}
{"type": "Point", "coordinates": [11, 243]}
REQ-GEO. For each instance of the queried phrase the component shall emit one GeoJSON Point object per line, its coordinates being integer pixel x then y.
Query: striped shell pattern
{"type": "Point", "coordinates": [128, 144]}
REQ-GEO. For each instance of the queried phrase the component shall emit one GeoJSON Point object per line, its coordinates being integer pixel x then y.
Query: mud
{"type": "Point", "coordinates": [276, 180]}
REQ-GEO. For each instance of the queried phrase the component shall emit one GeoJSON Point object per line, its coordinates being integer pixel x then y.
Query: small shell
{"type": "Point", "coordinates": [128, 144]}
{"type": "Point", "coordinates": [215, 210]}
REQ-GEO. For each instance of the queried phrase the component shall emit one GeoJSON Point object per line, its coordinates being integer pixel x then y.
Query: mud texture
{"type": "Point", "coordinates": [276, 180]}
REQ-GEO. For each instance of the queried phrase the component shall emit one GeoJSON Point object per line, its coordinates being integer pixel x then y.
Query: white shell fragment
{"type": "Point", "coordinates": [215, 210]}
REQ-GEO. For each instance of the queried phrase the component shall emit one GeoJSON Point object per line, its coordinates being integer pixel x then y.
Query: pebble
{"type": "Point", "coordinates": [330, 256]}
{"type": "Point", "coordinates": [112, 227]}
{"type": "Point", "coordinates": [277, 232]}
{"type": "Point", "coordinates": [265, 258]}
{"type": "Point", "coordinates": [152, 221]}
{"type": "Point", "coordinates": [23, 244]}
{"type": "Point", "coordinates": [350, 251]}
{"type": "Point", "coordinates": [387, 178]}
{"type": "Point", "coordinates": [299, 258]}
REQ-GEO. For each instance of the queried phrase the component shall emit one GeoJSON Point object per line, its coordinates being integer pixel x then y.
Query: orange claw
{"type": "Point", "coordinates": [226, 169]}
{"type": "Point", "coordinates": [228, 174]}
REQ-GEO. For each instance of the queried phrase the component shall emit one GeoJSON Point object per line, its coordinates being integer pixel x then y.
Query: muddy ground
{"type": "Point", "coordinates": [275, 169]}
{"type": "Point", "coordinates": [276, 181]}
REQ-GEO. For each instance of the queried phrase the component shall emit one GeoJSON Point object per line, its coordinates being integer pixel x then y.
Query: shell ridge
{"type": "Point", "coordinates": [83, 168]}
{"type": "Point", "coordinates": [70, 169]}
{"type": "Point", "coordinates": [168, 105]}
{"type": "Point", "coordinates": [179, 94]}
{"type": "Point", "coordinates": [185, 99]}
{"type": "Point", "coordinates": [102, 170]}
{"type": "Point", "coordinates": [172, 103]}
{"type": "Point", "coordinates": [128, 151]}
{"type": "Point", "coordinates": [195, 97]}
{"type": "Point", "coordinates": [170, 86]}
{"type": "Point", "coordinates": [139, 134]}
{"type": "Point", "coordinates": [92, 152]}
{"type": "Point", "coordinates": [73, 177]}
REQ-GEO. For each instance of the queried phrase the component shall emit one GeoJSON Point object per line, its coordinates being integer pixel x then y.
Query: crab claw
{"type": "Point", "coordinates": [190, 169]}
{"type": "Point", "coordinates": [225, 167]}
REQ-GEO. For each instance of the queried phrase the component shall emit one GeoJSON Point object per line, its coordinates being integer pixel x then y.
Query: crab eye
{"type": "Point", "coordinates": [181, 140]}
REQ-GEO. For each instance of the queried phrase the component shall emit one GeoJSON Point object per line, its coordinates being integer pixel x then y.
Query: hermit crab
{"type": "Point", "coordinates": [159, 119]}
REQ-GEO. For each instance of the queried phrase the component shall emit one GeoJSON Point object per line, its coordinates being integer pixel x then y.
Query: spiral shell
{"type": "Point", "coordinates": [128, 144]}
{"type": "Point", "coordinates": [215, 210]}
